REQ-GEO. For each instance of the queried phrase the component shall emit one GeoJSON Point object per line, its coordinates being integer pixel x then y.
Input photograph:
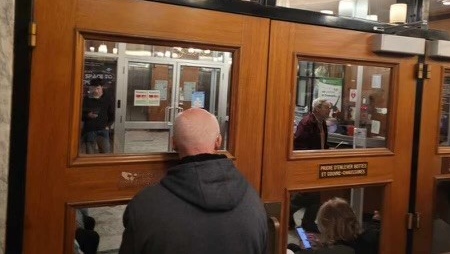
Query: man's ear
{"type": "Point", "coordinates": [218, 143]}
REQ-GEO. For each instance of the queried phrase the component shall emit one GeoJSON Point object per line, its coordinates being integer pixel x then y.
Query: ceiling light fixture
{"type": "Point", "coordinates": [327, 12]}
{"type": "Point", "coordinates": [446, 2]}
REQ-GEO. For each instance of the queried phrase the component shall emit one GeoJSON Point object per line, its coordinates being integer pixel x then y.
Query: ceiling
{"type": "Point", "coordinates": [377, 7]}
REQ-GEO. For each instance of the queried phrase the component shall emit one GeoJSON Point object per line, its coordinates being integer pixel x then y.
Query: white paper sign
{"type": "Point", "coordinates": [146, 98]}
{"type": "Point", "coordinates": [376, 81]}
{"type": "Point", "coordinates": [331, 90]}
{"type": "Point", "coordinates": [154, 97]}
{"type": "Point", "coordinates": [161, 85]}
{"type": "Point", "coordinates": [375, 127]}
{"type": "Point", "coordinates": [360, 138]}
{"type": "Point", "coordinates": [188, 89]}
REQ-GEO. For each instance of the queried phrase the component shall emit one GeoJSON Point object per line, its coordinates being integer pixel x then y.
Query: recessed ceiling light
{"type": "Point", "coordinates": [327, 12]}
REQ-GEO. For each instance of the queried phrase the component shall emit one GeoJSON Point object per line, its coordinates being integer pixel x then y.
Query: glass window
{"type": "Point", "coordinates": [132, 93]}
{"type": "Point", "coordinates": [444, 134]}
{"type": "Point", "coordinates": [361, 211]}
{"type": "Point", "coordinates": [340, 106]}
{"type": "Point", "coordinates": [98, 229]}
{"type": "Point", "coordinates": [441, 219]}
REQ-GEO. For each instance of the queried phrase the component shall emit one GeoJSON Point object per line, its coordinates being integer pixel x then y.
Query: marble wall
{"type": "Point", "coordinates": [6, 60]}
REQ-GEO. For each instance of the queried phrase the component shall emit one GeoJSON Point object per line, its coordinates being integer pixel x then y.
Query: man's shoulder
{"type": "Point", "coordinates": [152, 193]}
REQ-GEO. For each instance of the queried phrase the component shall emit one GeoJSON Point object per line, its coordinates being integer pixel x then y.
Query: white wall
{"type": "Point", "coordinates": [6, 60]}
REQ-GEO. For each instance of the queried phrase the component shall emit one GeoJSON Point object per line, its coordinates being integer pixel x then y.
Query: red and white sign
{"type": "Point", "coordinates": [352, 95]}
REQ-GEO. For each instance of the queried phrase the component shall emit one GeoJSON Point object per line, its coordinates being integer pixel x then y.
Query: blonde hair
{"type": "Point", "coordinates": [337, 221]}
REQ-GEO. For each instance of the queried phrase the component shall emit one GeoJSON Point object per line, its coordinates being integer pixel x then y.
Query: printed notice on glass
{"type": "Point", "coordinates": [343, 169]}
{"type": "Point", "coordinates": [162, 85]}
{"type": "Point", "coordinates": [359, 137]}
{"type": "Point", "coordinates": [198, 100]}
{"type": "Point", "coordinates": [189, 88]}
{"type": "Point", "coordinates": [331, 90]}
{"type": "Point", "coordinates": [147, 97]}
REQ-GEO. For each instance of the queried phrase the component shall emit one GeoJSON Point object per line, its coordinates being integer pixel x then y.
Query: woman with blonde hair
{"type": "Point", "coordinates": [340, 231]}
{"type": "Point", "coordinates": [339, 228]}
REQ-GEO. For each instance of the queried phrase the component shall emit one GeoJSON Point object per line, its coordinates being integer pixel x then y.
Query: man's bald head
{"type": "Point", "coordinates": [196, 131]}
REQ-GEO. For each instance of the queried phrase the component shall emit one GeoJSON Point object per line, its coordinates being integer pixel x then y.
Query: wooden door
{"type": "Point", "coordinates": [433, 161]}
{"type": "Point", "coordinates": [388, 166]}
{"type": "Point", "coordinates": [59, 178]}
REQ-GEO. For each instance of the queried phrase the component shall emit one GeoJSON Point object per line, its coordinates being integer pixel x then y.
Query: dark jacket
{"type": "Point", "coordinates": [307, 135]}
{"type": "Point", "coordinates": [366, 243]}
{"type": "Point", "coordinates": [339, 248]}
{"type": "Point", "coordinates": [103, 107]}
{"type": "Point", "coordinates": [203, 206]}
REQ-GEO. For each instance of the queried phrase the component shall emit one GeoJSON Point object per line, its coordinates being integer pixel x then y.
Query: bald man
{"type": "Point", "coordinates": [202, 206]}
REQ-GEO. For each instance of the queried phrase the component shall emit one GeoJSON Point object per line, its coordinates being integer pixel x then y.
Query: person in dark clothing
{"type": "Point", "coordinates": [85, 235]}
{"type": "Point", "coordinates": [97, 117]}
{"type": "Point", "coordinates": [202, 206]}
{"type": "Point", "coordinates": [312, 132]}
{"type": "Point", "coordinates": [310, 201]}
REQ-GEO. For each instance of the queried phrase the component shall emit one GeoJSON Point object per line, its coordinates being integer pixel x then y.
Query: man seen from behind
{"type": "Point", "coordinates": [202, 206]}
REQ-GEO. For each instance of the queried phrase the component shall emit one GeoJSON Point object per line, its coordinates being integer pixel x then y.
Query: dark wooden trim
{"type": "Point", "coordinates": [266, 10]}
{"type": "Point", "coordinates": [19, 128]}
{"type": "Point", "coordinates": [440, 16]}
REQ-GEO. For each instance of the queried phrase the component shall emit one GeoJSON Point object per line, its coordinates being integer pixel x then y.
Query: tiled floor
{"type": "Point", "coordinates": [109, 226]}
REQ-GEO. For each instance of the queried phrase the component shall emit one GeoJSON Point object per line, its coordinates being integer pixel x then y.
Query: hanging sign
{"type": "Point", "coordinates": [331, 90]}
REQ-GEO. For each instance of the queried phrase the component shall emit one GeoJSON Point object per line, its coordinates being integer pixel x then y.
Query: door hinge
{"type": "Point", "coordinates": [423, 71]}
{"type": "Point", "coordinates": [413, 220]}
{"type": "Point", "coordinates": [32, 35]}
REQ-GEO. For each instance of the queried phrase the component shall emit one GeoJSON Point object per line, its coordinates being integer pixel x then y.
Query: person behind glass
{"type": "Point", "coordinates": [312, 130]}
{"type": "Point", "coordinates": [202, 206]}
{"type": "Point", "coordinates": [97, 117]}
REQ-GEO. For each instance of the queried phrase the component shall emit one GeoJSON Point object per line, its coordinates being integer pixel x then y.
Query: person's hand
{"type": "Point", "coordinates": [92, 115]}
{"type": "Point", "coordinates": [313, 239]}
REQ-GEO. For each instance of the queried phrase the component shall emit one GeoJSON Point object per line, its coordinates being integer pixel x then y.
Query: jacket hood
{"type": "Point", "coordinates": [214, 185]}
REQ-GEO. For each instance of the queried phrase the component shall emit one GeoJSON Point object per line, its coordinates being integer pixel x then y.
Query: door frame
{"type": "Point", "coordinates": [57, 176]}
{"type": "Point", "coordinates": [285, 170]}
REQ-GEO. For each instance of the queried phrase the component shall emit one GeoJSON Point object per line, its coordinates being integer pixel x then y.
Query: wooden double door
{"type": "Point", "coordinates": [263, 78]}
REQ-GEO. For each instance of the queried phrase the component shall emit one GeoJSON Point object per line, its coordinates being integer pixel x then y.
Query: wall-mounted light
{"type": "Point", "coordinates": [397, 13]}
{"type": "Point", "coordinates": [103, 48]}
{"type": "Point", "coordinates": [346, 8]}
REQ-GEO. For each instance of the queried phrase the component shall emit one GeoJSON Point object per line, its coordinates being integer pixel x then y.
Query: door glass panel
{"type": "Point", "coordinates": [441, 220]}
{"type": "Point", "coordinates": [444, 137]}
{"type": "Point", "coordinates": [343, 106]}
{"type": "Point", "coordinates": [364, 208]}
{"type": "Point", "coordinates": [133, 92]}
{"type": "Point", "coordinates": [146, 140]}
{"type": "Point", "coordinates": [98, 229]}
